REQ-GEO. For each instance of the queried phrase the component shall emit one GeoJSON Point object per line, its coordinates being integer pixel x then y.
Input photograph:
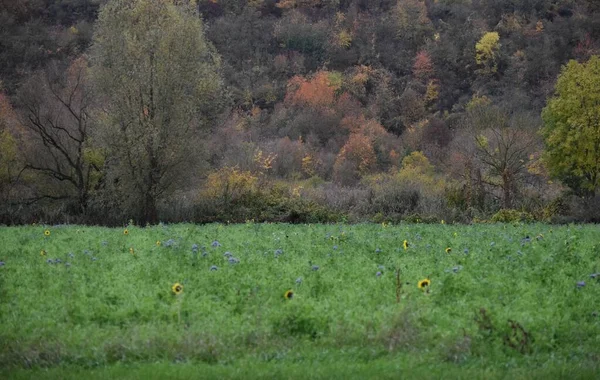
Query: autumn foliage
{"type": "Point", "coordinates": [318, 91]}
{"type": "Point", "coordinates": [423, 66]}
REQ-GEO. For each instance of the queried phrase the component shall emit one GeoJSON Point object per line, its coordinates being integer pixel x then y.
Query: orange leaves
{"type": "Point", "coordinates": [423, 66]}
{"type": "Point", "coordinates": [357, 157]}
{"type": "Point", "coordinates": [319, 91]}
{"type": "Point", "coordinates": [358, 152]}
{"type": "Point", "coordinates": [368, 127]}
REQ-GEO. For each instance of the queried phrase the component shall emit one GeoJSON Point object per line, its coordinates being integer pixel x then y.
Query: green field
{"type": "Point", "coordinates": [519, 301]}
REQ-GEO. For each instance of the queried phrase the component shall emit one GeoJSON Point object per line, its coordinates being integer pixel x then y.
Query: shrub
{"type": "Point", "coordinates": [512, 216]}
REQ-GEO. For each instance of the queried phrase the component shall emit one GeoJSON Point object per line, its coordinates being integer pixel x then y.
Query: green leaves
{"type": "Point", "coordinates": [160, 78]}
{"type": "Point", "coordinates": [572, 126]}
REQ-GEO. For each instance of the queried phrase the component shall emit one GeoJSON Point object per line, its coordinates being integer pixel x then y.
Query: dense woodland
{"type": "Point", "coordinates": [299, 110]}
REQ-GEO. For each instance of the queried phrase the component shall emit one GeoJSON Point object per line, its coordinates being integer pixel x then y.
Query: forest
{"type": "Point", "coordinates": [299, 111]}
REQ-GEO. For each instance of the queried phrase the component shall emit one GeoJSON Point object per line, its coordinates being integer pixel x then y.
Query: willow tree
{"type": "Point", "coordinates": [159, 81]}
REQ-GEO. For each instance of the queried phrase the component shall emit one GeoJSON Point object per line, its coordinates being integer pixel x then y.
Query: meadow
{"type": "Point", "coordinates": [261, 300]}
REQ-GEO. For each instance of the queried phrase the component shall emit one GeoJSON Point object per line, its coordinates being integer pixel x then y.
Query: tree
{"type": "Point", "coordinates": [10, 160]}
{"type": "Point", "coordinates": [572, 127]}
{"type": "Point", "coordinates": [356, 158]}
{"type": "Point", "coordinates": [319, 91]}
{"type": "Point", "coordinates": [487, 52]}
{"type": "Point", "coordinates": [423, 67]}
{"type": "Point", "coordinates": [414, 26]}
{"type": "Point", "coordinates": [502, 145]}
{"type": "Point", "coordinates": [56, 106]}
{"type": "Point", "coordinates": [160, 82]}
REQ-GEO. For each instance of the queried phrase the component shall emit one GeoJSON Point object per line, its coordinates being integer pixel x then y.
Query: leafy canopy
{"type": "Point", "coordinates": [572, 126]}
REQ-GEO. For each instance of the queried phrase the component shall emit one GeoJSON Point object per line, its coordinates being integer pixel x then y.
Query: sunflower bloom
{"type": "Point", "coordinates": [448, 250]}
{"type": "Point", "coordinates": [405, 244]}
{"type": "Point", "coordinates": [43, 252]}
{"type": "Point", "coordinates": [177, 288]}
{"type": "Point", "coordinates": [424, 284]}
{"type": "Point", "coordinates": [288, 295]}
{"type": "Point", "coordinates": [158, 243]}
{"type": "Point", "coordinates": [126, 232]}
{"type": "Point", "coordinates": [47, 233]}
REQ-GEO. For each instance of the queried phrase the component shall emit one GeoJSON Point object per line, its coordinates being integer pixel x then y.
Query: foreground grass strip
{"type": "Point", "coordinates": [338, 370]}
{"type": "Point", "coordinates": [259, 299]}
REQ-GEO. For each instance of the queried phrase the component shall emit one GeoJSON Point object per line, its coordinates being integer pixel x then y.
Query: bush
{"type": "Point", "coordinates": [512, 216]}
{"type": "Point", "coordinates": [233, 196]}
{"type": "Point", "coordinates": [578, 209]}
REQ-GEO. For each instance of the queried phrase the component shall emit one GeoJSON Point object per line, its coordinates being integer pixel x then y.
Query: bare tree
{"type": "Point", "coordinates": [55, 107]}
{"type": "Point", "coordinates": [500, 145]}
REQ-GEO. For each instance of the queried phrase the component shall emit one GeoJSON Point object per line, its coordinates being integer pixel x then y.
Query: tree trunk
{"type": "Point", "coordinates": [506, 189]}
{"type": "Point", "coordinates": [150, 211]}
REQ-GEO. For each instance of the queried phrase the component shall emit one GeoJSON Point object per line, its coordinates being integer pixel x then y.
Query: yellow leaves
{"type": "Point", "coordinates": [344, 39]}
{"type": "Point", "coordinates": [308, 165]}
{"type": "Point", "coordinates": [229, 183]}
{"type": "Point", "coordinates": [296, 191]}
{"type": "Point", "coordinates": [486, 51]}
{"type": "Point", "coordinates": [536, 165]}
{"type": "Point", "coordinates": [487, 47]}
{"type": "Point", "coordinates": [417, 169]}
{"type": "Point", "coordinates": [478, 101]}
{"type": "Point", "coordinates": [432, 92]}
{"type": "Point", "coordinates": [418, 162]}
{"type": "Point", "coordinates": [482, 141]}
{"type": "Point", "coordinates": [264, 162]}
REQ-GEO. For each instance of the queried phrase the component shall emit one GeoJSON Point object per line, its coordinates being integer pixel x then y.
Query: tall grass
{"type": "Point", "coordinates": [503, 296]}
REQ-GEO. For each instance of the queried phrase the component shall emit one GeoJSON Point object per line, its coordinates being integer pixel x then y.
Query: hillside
{"type": "Point", "coordinates": [308, 110]}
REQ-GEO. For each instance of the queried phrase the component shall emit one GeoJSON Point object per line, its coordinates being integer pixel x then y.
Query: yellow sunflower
{"type": "Point", "coordinates": [47, 233]}
{"type": "Point", "coordinates": [126, 232]}
{"type": "Point", "coordinates": [288, 295]}
{"type": "Point", "coordinates": [423, 284]}
{"type": "Point", "coordinates": [405, 244]}
{"type": "Point", "coordinates": [43, 252]}
{"type": "Point", "coordinates": [448, 250]}
{"type": "Point", "coordinates": [177, 288]}
{"type": "Point", "coordinates": [158, 243]}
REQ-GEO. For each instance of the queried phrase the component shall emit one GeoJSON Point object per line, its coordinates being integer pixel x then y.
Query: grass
{"type": "Point", "coordinates": [504, 301]}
